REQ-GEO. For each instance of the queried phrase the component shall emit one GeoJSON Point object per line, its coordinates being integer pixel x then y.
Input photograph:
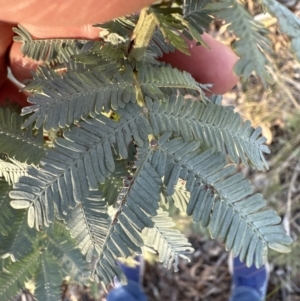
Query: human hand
{"type": "Point", "coordinates": [74, 19]}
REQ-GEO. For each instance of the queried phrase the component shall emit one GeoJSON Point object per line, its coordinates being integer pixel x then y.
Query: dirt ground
{"type": "Point", "coordinates": [207, 277]}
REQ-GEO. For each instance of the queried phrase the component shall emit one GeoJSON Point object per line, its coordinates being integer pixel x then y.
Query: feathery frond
{"type": "Point", "coordinates": [140, 203]}
{"type": "Point", "coordinates": [48, 278]}
{"type": "Point", "coordinates": [47, 50]}
{"type": "Point", "coordinates": [169, 243]}
{"type": "Point", "coordinates": [212, 184]}
{"type": "Point", "coordinates": [79, 162]}
{"type": "Point", "coordinates": [113, 185]}
{"type": "Point", "coordinates": [118, 30]}
{"type": "Point", "coordinates": [152, 78]}
{"type": "Point", "coordinates": [16, 238]}
{"type": "Point", "coordinates": [20, 239]}
{"type": "Point", "coordinates": [158, 46]}
{"type": "Point", "coordinates": [169, 21]}
{"type": "Point", "coordinates": [59, 244]}
{"type": "Point", "coordinates": [54, 255]}
{"type": "Point", "coordinates": [12, 170]}
{"type": "Point", "coordinates": [5, 210]}
{"type": "Point", "coordinates": [197, 16]}
{"type": "Point", "coordinates": [213, 125]}
{"type": "Point", "coordinates": [101, 55]}
{"type": "Point", "coordinates": [289, 23]}
{"type": "Point", "coordinates": [88, 224]}
{"type": "Point", "coordinates": [252, 45]}
{"type": "Point", "coordinates": [175, 20]}
{"type": "Point", "coordinates": [247, 231]}
{"type": "Point", "coordinates": [17, 143]}
{"type": "Point", "coordinates": [71, 97]}
{"type": "Point", "coordinates": [146, 135]}
{"type": "Point", "coordinates": [61, 100]}
{"type": "Point", "coordinates": [180, 197]}
{"type": "Point", "coordinates": [14, 276]}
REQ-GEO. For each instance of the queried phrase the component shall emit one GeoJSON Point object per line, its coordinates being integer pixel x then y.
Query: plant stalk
{"type": "Point", "coordinates": [142, 34]}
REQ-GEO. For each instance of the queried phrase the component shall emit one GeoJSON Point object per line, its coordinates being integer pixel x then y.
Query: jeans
{"type": "Point", "coordinates": [130, 292]}
{"type": "Point", "coordinates": [133, 292]}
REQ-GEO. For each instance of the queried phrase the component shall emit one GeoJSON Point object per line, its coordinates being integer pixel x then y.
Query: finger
{"type": "Point", "coordinates": [22, 66]}
{"type": "Point", "coordinates": [213, 65]}
{"type": "Point", "coordinates": [5, 41]}
{"type": "Point", "coordinates": [67, 12]}
{"type": "Point", "coordinates": [53, 18]}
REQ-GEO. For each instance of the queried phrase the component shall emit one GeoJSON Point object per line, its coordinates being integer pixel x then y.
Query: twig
{"type": "Point", "coordinates": [287, 217]}
{"type": "Point", "coordinates": [142, 34]}
{"type": "Point", "coordinates": [280, 81]}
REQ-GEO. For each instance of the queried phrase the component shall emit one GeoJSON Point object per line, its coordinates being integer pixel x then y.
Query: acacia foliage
{"type": "Point", "coordinates": [133, 134]}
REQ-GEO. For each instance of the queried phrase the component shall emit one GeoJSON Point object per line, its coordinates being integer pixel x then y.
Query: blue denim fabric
{"type": "Point", "coordinates": [244, 293]}
{"type": "Point", "coordinates": [248, 284]}
{"type": "Point", "coordinates": [130, 292]}
{"type": "Point", "coordinates": [133, 292]}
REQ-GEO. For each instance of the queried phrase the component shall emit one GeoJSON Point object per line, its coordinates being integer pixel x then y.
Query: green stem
{"type": "Point", "coordinates": [138, 91]}
{"type": "Point", "coordinates": [142, 34]}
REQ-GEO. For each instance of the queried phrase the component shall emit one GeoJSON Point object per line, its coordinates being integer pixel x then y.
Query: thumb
{"type": "Point", "coordinates": [5, 41]}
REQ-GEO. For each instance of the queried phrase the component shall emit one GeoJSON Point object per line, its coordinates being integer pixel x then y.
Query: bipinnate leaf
{"type": "Point", "coordinates": [212, 125]}
{"type": "Point", "coordinates": [79, 166]}
{"type": "Point", "coordinates": [17, 143]}
{"type": "Point", "coordinates": [289, 23]}
{"type": "Point", "coordinates": [169, 243]}
{"type": "Point", "coordinates": [16, 238]}
{"type": "Point", "coordinates": [139, 203]}
{"type": "Point", "coordinates": [12, 280]}
{"type": "Point", "coordinates": [88, 223]}
{"type": "Point", "coordinates": [145, 134]}
{"type": "Point", "coordinates": [221, 199]}
{"type": "Point", "coordinates": [252, 44]}
{"type": "Point", "coordinates": [12, 170]}
{"type": "Point", "coordinates": [48, 278]}
{"type": "Point", "coordinates": [47, 50]}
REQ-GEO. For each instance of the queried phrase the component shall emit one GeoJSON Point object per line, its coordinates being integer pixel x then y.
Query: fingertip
{"type": "Point", "coordinates": [213, 65]}
{"type": "Point", "coordinates": [6, 35]}
{"type": "Point", "coordinates": [21, 66]}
